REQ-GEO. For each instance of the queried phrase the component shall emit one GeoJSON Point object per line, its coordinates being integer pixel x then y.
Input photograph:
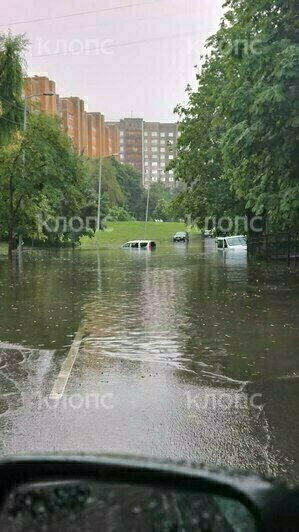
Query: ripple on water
{"type": "Point", "coordinates": [138, 346]}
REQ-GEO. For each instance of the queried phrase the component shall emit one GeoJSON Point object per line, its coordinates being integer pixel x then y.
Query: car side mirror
{"type": "Point", "coordinates": [111, 493]}
{"type": "Point", "coordinates": [92, 506]}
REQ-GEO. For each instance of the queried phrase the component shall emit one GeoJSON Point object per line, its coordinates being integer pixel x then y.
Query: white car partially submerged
{"type": "Point", "coordinates": [238, 242]}
{"type": "Point", "coordinates": [140, 244]}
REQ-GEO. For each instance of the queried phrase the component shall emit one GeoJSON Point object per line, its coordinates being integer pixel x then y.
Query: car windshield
{"type": "Point", "coordinates": [236, 241]}
{"type": "Point", "coordinates": [134, 136]}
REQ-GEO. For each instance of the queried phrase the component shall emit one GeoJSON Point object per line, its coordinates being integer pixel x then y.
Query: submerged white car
{"type": "Point", "coordinates": [140, 244]}
{"type": "Point", "coordinates": [238, 242]}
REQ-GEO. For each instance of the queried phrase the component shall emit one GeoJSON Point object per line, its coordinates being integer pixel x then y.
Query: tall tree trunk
{"type": "Point", "coordinates": [10, 241]}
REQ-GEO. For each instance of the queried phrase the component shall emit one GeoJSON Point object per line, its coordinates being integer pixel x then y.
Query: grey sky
{"type": "Point", "coordinates": [141, 57]}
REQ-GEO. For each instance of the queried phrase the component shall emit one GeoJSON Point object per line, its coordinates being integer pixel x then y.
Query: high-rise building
{"type": "Point", "coordinates": [92, 136]}
{"type": "Point", "coordinates": [160, 141]}
{"type": "Point", "coordinates": [149, 147]}
{"type": "Point", "coordinates": [74, 114]}
{"type": "Point", "coordinates": [114, 135]}
{"type": "Point", "coordinates": [130, 141]}
{"type": "Point", "coordinates": [34, 89]}
{"type": "Point", "coordinates": [88, 131]}
{"type": "Point", "coordinates": [97, 122]}
{"type": "Point", "coordinates": [67, 116]}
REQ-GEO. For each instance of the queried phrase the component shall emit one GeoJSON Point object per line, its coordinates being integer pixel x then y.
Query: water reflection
{"type": "Point", "coordinates": [185, 319]}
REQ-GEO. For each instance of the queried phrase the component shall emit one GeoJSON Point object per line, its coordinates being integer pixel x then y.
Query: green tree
{"type": "Point", "coordinates": [112, 194]}
{"type": "Point", "coordinates": [50, 179]}
{"type": "Point", "coordinates": [12, 66]}
{"type": "Point", "coordinates": [162, 210]}
{"type": "Point", "coordinates": [238, 151]}
{"type": "Point", "coordinates": [130, 182]}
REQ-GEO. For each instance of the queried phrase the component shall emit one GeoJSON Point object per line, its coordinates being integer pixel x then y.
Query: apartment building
{"type": "Point", "coordinates": [149, 147]}
{"type": "Point", "coordinates": [96, 134]}
{"type": "Point", "coordinates": [74, 119]}
{"type": "Point", "coordinates": [114, 139]}
{"type": "Point", "coordinates": [34, 89]}
{"type": "Point", "coordinates": [159, 148]}
{"type": "Point", "coordinates": [130, 141]}
{"type": "Point", "coordinates": [89, 133]}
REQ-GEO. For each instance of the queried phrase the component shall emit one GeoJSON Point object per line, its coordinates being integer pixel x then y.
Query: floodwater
{"type": "Point", "coordinates": [185, 353]}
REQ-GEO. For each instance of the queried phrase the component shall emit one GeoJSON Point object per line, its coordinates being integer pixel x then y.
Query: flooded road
{"type": "Point", "coordinates": [184, 352]}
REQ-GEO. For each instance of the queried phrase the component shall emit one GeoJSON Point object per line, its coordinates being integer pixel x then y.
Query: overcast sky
{"type": "Point", "coordinates": [141, 56]}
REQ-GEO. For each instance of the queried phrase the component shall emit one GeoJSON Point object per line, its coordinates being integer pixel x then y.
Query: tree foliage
{"type": "Point", "coordinates": [239, 144]}
{"type": "Point", "coordinates": [12, 65]}
{"type": "Point", "coordinates": [40, 175]}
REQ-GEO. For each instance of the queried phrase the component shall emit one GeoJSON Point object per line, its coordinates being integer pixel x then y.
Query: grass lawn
{"type": "Point", "coordinates": [3, 248]}
{"type": "Point", "coordinates": [121, 232]}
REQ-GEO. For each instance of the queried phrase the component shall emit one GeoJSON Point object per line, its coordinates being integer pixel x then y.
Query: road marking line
{"type": "Point", "coordinates": [67, 366]}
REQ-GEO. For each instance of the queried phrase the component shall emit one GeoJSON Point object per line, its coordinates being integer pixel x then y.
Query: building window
{"type": "Point", "coordinates": [162, 150]}
{"type": "Point", "coordinates": [162, 134]}
{"type": "Point", "coordinates": [154, 134]}
{"type": "Point", "coordinates": [171, 180]}
{"type": "Point", "coordinates": [145, 133]}
{"type": "Point", "coordinates": [155, 142]}
{"type": "Point", "coordinates": [154, 164]}
{"type": "Point", "coordinates": [154, 156]}
{"type": "Point", "coordinates": [162, 142]}
{"type": "Point", "coordinates": [122, 156]}
{"type": "Point", "coordinates": [121, 149]}
{"type": "Point", "coordinates": [146, 163]}
{"type": "Point", "coordinates": [170, 156]}
{"type": "Point", "coordinates": [170, 134]}
{"type": "Point", "coordinates": [122, 133]}
{"type": "Point", "coordinates": [154, 149]}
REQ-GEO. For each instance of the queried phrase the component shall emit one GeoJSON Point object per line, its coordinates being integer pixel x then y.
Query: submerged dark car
{"type": "Point", "coordinates": [181, 236]}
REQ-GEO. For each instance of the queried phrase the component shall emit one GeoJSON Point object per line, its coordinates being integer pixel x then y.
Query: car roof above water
{"type": "Point", "coordinates": [140, 243]}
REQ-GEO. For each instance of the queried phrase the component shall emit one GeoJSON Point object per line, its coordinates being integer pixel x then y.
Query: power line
{"type": "Point", "coordinates": [125, 6]}
{"type": "Point", "coordinates": [11, 103]}
{"type": "Point", "coordinates": [118, 45]}
{"type": "Point", "coordinates": [8, 120]}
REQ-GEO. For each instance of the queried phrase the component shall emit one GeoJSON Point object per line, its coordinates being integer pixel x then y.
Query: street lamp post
{"type": "Point", "coordinates": [24, 129]}
{"type": "Point", "coordinates": [48, 93]}
{"type": "Point", "coordinates": [100, 188]}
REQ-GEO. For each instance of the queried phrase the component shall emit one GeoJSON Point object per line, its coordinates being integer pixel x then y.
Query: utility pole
{"type": "Point", "coordinates": [99, 195]}
{"type": "Point", "coordinates": [147, 209]}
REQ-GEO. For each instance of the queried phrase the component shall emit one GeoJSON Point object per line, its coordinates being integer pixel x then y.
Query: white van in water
{"type": "Point", "coordinates": [140, 244]}
{"type": "Point", "coordinates": [232, 242]}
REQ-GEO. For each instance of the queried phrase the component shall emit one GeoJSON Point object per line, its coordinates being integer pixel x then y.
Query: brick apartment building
{"type": "Point", "coordinates": [89, 133]}
{"type": "Point", "coordinates": [149, 147]}
{"type": "Point", "coordinates": [74, 119]}
{"type": "Point", "coordinates": [35, 87]}
{"type": "Point", "coordinates": [130, 141]}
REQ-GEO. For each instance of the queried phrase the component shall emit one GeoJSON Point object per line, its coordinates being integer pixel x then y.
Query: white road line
{"type": "Point", "coordinates": [67, 366]}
